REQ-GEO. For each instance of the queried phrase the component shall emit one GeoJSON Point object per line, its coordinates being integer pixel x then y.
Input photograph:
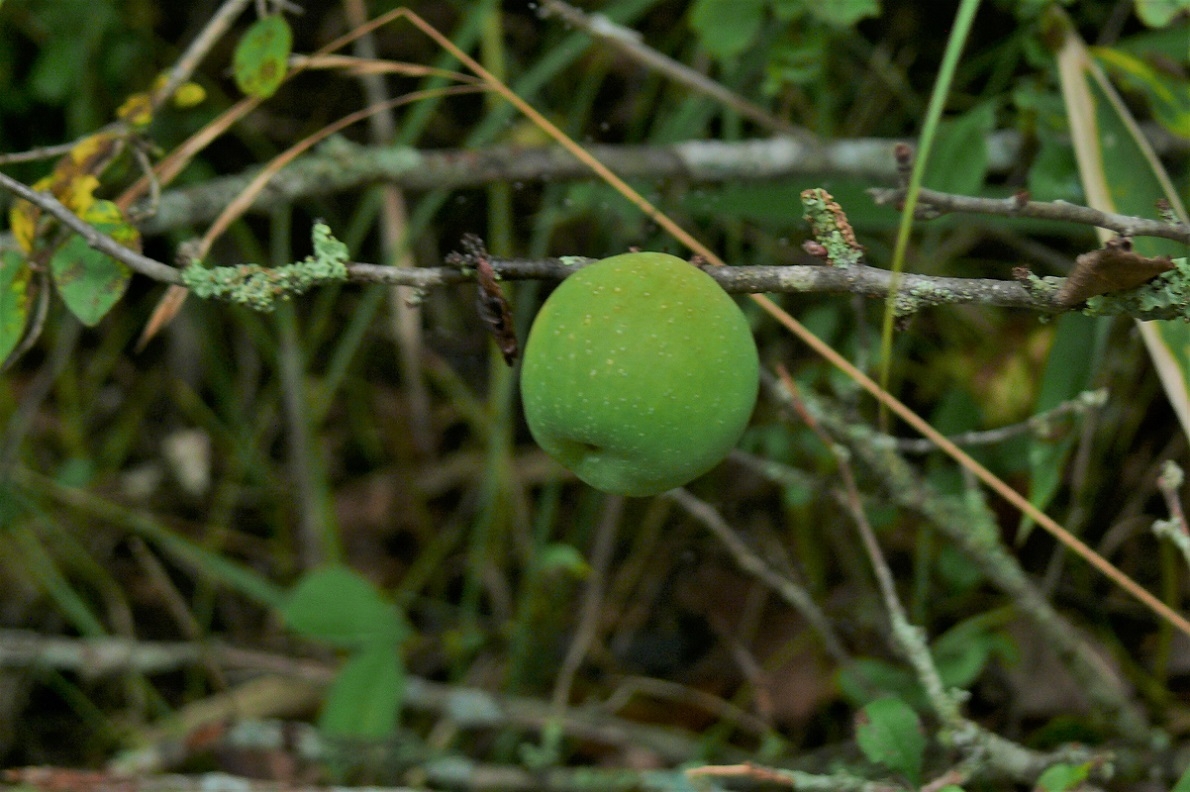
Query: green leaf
{"type": "Point", "coordinates": [963, 651]}
{"type": "Point", "coordinates": [726, 27]}
{"type": "Point", "coordinates": [1183, 784]}
{"type": "Point", "coordinates": [1159, 13]}
{"type": "Point", "coordinates": [89, 282]}
{"type": "Point", "coordinates": [889, 733]}
{"type": "Point", "coordinates": [557, 557]}
{"type": "Point", "coordinates": [365, 697]}
{"type": "Point", "coordinates": [959, 161]}
{"type": "Point", "coordinates": [843, 13]}
{"type": "Point", "coordinates": [15, 301]}
{"type": "Point", "coordinates": [262, 56]}
{"type": "Point", "coordinates": [340, 607]}
{"type": "Point", "coordinates": [1061, 777]}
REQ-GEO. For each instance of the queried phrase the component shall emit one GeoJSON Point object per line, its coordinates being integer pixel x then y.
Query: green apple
{"type": "Point", "coordinates": [640, 374]}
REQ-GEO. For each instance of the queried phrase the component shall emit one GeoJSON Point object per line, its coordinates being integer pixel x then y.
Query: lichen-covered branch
{"type": "Point", "coordinates": [339, 165]}
{"type": "Point", "coordinates": [973, 531]}
{"type": "Point", "coordinates": [260, 287]}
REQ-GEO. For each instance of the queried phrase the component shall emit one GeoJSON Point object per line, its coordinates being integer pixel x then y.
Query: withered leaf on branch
{"type": "Point", "coordinates": [490, 302]}
{"type": "Point", "coordinates": [1112, 268]}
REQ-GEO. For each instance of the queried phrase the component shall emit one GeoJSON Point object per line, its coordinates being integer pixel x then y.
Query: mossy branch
{"type": "Point", "coordinates": [260, 287]}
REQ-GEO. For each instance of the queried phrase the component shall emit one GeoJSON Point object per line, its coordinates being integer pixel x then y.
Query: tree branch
{"type": "Point", "coordinates": [104, 244]}
{"type": "Point", "coordinates": [932, 204]}
{"type": "Point", "coordinates": [916, 291]}
{"type": "Point", "coordinates": [340, 165]}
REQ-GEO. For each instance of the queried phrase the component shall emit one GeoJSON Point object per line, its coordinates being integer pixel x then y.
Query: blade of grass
{"type": "Point", "coordinates": [950, 60]}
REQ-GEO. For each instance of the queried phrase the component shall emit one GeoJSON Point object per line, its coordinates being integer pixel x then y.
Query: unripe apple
{"type": "Point", "coordinates": [640, 374]}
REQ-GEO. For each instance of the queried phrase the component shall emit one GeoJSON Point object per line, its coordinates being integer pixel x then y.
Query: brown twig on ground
{"type": "Point", "coordinates": [469, 707]}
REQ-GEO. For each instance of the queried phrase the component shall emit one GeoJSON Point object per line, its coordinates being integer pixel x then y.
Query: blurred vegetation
{"type": "Point", "coordinates": [216, 487]}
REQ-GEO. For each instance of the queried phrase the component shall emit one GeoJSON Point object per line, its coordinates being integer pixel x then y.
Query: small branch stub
{"type": "Point", "coordinates": [830, 227]}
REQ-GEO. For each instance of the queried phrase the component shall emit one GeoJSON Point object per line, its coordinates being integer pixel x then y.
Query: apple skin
{"type": "Point", "coordinates": [640, 374]}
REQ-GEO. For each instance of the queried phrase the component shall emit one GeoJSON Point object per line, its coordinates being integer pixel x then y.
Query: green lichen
{"type": "Point", "coordinates": [1042, 288]}
{"type": "Point", "coordinates": [830, 228]}
{"type": "Point", "coordinates": [1165, 297]}
{"type": "Point", "coordinates": [909, 300]}
{"type": "Point", "coordinates": [260, 287]}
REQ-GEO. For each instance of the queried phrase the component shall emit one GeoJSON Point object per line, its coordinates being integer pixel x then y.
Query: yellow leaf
{"type": "Point", "coordinates": [78, 194]}
{"type": "Point", "coordinates": [87, 153]}
{"type": "Point", "coordinates": [189, 94]}
{"type": "Point", "coordinates": [23, 217]}
{"type": "Point", "coordinates": [137, 110]}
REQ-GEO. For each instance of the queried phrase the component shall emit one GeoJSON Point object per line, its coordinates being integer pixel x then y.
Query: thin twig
{"type": "Point", "coordinates": [629, 43]}
{"type": "Point", "coordinates": [932, 203]}
{"type": "Point", "coordinates": [840, 781]}
{"type": "Point", "coordinates": [469, 707]}
{"type": "Point", "coordinates": [1040, 423]}
{"type": "Point", "coordinates": [749, 561]}
{"type": "Point", "coordinates": [916, 292]}
{"type": "Point", "coordinates": [977, 537]}
{"type": "Point", "coordinates": [219, 23]}
{"type": "Point", "coordinates": [910, 639]}
{"type": "Point", "coordinates": [40, 153]}
{"type": "Point", "coordinates": [101, 242]}
{"type": "Point", "coordinates": [630, 687]}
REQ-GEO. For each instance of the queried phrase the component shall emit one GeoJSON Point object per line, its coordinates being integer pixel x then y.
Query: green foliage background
{"type": "Point", "coordinates": [457, 529]}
